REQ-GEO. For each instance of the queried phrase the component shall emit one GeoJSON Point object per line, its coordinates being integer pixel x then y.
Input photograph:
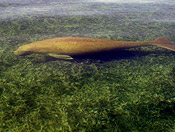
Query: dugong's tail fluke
{"type": "Point", "coordinates": [164, 43]}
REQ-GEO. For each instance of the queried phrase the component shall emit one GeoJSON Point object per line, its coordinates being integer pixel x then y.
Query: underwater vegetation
{"type": "Point", "coordinates": [131, 90]}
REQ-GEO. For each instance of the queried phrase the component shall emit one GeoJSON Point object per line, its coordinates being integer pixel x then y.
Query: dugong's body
{"type": "Point", "coordinates": [64, 48]}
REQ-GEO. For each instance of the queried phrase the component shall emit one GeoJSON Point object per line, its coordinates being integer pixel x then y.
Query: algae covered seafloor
{"type": "Point", "coordinates": [131, 90]}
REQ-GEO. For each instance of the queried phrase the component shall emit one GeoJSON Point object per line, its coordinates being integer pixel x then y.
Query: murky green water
{"type": "Point", "coordinates": [130, 90]}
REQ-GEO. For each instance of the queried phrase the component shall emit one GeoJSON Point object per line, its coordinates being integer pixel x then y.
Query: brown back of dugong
{"type": "Point", "coordinates": [64, 48]}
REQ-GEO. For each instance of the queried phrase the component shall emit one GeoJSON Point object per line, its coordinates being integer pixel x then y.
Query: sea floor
{"type": "Point", "coordinates": [131, 90]}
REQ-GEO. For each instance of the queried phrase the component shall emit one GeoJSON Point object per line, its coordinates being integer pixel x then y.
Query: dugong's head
{"type": "Point", "coordinates": [22, 50]}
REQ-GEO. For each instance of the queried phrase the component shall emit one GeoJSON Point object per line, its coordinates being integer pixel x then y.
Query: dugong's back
{"type": "Point", "coordinates": [66, 47]}
{"type": "Point", "coordinates": [71, 46]}
{"type": "Point", "coordinates": [77, 46]}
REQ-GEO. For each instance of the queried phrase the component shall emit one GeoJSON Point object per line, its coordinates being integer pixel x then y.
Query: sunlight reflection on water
{"type": "Point", "coordinates": [12, 9]}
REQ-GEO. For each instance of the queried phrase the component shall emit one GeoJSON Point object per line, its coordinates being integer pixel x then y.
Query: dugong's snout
{"type": "Point", "coordinates": [16, 52]}
{"type": "Point", "coordinates": [21, 51]}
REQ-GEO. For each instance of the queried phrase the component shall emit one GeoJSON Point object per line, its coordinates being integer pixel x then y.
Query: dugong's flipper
{"type": "Point", "coordinates": [58, 56]}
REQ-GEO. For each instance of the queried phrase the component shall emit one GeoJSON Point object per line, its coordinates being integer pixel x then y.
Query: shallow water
{"type": "Point", "coordinates": [15, 9]}
{"type": "Point", "coordinates": [127, 90]}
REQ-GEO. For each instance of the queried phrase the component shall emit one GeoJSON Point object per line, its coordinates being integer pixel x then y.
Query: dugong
{"type": "Point", "coordinates": [66, 47]}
